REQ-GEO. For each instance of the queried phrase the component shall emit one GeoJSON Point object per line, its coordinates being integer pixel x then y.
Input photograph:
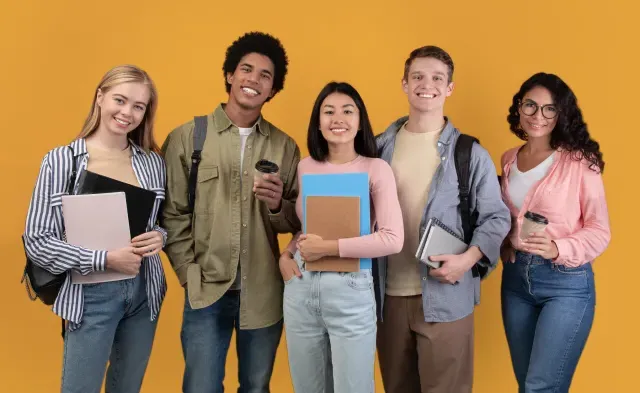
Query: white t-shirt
{"type": "Point", "coordinates": [244, 134]}
{"type": "Point", "coordinates": [521, 182]}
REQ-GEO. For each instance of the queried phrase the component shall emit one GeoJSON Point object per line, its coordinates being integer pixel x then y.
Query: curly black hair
{"type": "Point", "coordinates": [264, 44]}
{"type": "Point", "coordinates": [570, 132]}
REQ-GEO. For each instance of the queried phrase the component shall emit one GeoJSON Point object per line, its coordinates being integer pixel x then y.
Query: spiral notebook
{"type": "Point", "coordinates": [438, 239]}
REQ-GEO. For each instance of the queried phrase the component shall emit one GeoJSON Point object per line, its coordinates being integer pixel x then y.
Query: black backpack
{"type": "Point", "coordinates": [41, 283]}
{"type": "Point", "coordinates": [199, 136]}
{"type": "Point", "coordinates": [462, 158]}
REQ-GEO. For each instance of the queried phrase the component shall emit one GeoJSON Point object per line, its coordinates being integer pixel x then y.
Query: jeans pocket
{"type": "Point", "coordinates": [579, 270]}
{"type": "Point", "coordinates": [361, 281]}
{"type": "Point", "coordinates": [289, 281]}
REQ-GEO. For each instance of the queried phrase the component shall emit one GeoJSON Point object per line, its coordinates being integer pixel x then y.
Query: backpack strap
{"type": "Point", "coordinates": [199, 136]}
{"type": "Point", "coordinates": [462, 158]}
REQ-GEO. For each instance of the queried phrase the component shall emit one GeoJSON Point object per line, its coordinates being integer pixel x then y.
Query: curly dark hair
{"type": "Point", "coordinates": [570, 132]}
{"type": "Point", "coordinates": [264, 44]}
{"type": "Point", "coordinates": [364, 143]}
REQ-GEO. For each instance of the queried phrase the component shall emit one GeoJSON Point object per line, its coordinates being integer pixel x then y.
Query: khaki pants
{"type": "Point", "coordinates": [423, 357]}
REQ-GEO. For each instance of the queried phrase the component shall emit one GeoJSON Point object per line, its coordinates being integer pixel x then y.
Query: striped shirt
{"type": "Point", "coordinates": [44, 232]}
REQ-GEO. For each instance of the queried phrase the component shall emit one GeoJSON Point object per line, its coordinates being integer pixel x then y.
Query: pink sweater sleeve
{"type": "Point", "coordinates": [389, 237]}
{"type": "Point", "coordinates": [592, 239]}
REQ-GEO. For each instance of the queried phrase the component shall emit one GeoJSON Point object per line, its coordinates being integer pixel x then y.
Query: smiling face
{"type": "Point", "coordinates": [536, 107]}
{"type": "Point", "coordinates": [122, 107]}
{"type": "Point", "coordinates": [427, 84]}
{"type": "Point", "coordinates": [252, 81]}
{"type": "Point", "coordinates": [339, 119]}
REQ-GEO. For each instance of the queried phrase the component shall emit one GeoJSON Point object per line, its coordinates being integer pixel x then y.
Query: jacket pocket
{"type": "Point", "coordinates": [205, 189]}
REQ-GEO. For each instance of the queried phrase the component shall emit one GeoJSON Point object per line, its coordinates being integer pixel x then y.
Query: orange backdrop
{"type": "Point", "coordinates": [54, 53]}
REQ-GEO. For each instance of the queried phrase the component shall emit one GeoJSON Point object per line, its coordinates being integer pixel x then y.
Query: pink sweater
{"type": "Point", "coordinates": [389, 237]}
{"type": "Point", "coordinates": [572, 197]}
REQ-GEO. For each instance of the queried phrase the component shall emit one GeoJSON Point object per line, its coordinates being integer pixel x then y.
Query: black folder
{"type": "Point", "coordinates": [139, 201]}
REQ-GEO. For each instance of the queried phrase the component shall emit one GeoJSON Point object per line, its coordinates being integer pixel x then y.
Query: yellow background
{"type": "Point", "coordinates": [53, 53]}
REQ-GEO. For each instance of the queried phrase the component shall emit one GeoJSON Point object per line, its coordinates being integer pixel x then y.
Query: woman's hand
{"type": "Point", "coordinates": [124, 260]}
{"type": "Point", "coordinates": [288, 266]}
{"type": "Point", "coordinates": [540, 243]}
{"type": "Point", "coordinates": [313, 247]}
{"type": "Point", "coordinates": [507, 253]}
{"type": "Point", "coordinates": [147, 244]}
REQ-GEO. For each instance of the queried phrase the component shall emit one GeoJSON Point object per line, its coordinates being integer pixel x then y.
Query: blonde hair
{"type": "Point", "coordinates": [141, 135]}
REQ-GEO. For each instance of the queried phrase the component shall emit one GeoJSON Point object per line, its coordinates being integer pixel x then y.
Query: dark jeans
{"type": "Point", "coordinates": [206, 336]}
{"type": "Point", "coordinates": [547, 311]}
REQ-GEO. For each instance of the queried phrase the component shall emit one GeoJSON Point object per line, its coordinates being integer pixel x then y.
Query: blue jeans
{"type": "Point", "coordinates": [547, 310]}
{"type": "Point", "coordinates": [206, 336]}
{"type": "Point", "coordinates": [330, 323]}
{"type": "Point", "coordinates": [116, 327]}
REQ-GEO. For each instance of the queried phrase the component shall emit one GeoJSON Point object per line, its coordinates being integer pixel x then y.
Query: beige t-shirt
{"type": "Point", "coordinates": [114, 164]}
{"type": "Point", "coordinates": [415, 161]}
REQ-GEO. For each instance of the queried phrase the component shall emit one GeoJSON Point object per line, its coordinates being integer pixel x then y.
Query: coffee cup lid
{"type": "Point", "coordinates": [537, 218]}
{"type": "Point", "coordinates": [266, 166]}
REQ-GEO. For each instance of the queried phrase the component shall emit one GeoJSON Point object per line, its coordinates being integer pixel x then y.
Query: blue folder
{"type": "Point", "coordinates": [340, 184]}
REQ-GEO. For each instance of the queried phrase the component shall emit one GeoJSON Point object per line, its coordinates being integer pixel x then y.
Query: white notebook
{"type": "Point", "coordinates": [438, 239]}
{"type": "Point", "coordinates": [97, 222]}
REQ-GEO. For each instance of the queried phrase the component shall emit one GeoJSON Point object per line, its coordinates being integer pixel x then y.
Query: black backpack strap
{"type": "Point", "coordinates": [74, 172]}
{"type": "Point", "coordinates": [462, 158]}
{"type": "Point", "coordinates": [70, 189]}
{"type": "Point", "coordinates": [199, 136]}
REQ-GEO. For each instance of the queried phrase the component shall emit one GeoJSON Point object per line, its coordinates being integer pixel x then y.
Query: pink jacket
{"type": "Point", "coordinates": [572, 197]}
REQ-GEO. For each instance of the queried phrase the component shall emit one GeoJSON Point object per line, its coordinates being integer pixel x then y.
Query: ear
{"type": "Point", "coordinates": [99, 97]}
{"type": "Point", "coordinates": [229, 78]}
{"type": "Point", "coordinates": [405, 86]}
{"type": "Point", "coordinates": [272, 93]}
{"type": "Point", "coordinates": [450, 89]}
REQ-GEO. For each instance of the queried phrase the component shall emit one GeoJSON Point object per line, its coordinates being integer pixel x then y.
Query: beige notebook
{"type": "Point", "coordinates": [97, 222]}
{"type": "Point", "coordinates": [333, 218]}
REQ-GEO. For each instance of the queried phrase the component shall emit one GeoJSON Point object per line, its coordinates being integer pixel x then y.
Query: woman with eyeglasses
{"type": "Point", "coordinates": [553, 186]}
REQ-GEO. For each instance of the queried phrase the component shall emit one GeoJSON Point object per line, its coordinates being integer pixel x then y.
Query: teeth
{"type": "Point", "coordinates": [338, 130]}
{"type": "Point", "coordinates": [426, 95]}
{"type": "Point", "coordinates": [250, 91]}
{"type": "Point", "coordinates": [124, 123]}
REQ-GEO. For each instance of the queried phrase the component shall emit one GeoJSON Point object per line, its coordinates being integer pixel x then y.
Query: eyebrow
{"type": "Point", "coordinates": [331, 106]}
{"type": "Point", "coordinates": [529, 99]}
{"type": "Point", "coordinates": [127, 98]}
{"type": "Point", "coordinates": [252, 67]}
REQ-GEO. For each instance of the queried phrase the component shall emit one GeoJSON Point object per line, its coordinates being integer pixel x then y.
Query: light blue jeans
{"type": "Point", "coordinates": [330, 325]}
{"type": "Point", "coordinates": [116, 327]}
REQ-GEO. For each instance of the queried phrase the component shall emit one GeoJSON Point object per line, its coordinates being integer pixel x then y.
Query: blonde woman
{"type": "Point", "coordinates": [113, 321]}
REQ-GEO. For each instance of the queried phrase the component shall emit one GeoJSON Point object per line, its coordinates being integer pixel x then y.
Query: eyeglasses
{"type": "Point", "coordinates": [530, 108]}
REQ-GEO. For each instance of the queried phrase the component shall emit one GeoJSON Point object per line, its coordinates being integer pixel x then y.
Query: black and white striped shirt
{"type": "Point", "coordinates": [44, 232]}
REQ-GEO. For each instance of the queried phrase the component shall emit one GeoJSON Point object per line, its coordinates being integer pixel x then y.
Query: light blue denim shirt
{"type": "Point", "coordinates": [446, 302]}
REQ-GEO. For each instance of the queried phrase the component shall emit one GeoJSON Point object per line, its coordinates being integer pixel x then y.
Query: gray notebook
{"type": "Point", "coordinates": [438, 239]}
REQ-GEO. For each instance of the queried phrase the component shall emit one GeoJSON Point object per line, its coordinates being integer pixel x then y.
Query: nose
{"type": "Point", "coordinates": [538, 115]}
{"type": "Point", "coordinates": [253, 77]}
{"type": "Point", "coordinates": [125, 110]}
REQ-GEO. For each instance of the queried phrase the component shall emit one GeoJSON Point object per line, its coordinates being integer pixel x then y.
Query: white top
{"type": "Point", "coordinates": [521, 182]}
{"type": "Point", "coordinates": [244, 134]}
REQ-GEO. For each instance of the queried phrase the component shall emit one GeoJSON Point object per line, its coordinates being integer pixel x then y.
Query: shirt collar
{"type": "Point", "coordinates": [221, 122]}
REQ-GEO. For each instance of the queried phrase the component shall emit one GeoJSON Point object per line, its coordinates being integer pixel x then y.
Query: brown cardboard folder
{"type": "Point", "coordinates": [333, 218]}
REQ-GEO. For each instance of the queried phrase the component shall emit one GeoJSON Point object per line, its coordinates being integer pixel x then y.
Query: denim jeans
{"type": "Point", "coordinates": [330, 324]}
{"type": "Point", "coordinates": [116, 327]}
{"type": "Point", "coordinates": [547, 310]}
{"type": "Point", "coordinates": [206, 336]}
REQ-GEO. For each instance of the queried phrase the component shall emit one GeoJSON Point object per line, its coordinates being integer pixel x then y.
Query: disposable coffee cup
{"type": "Point", "coordinates": [533, 222]}
{"type": "Point", "coordinates": [265, 167]}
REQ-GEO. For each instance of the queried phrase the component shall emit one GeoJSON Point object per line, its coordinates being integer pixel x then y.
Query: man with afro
{"type": "Point", "coordinates": [224, 246]}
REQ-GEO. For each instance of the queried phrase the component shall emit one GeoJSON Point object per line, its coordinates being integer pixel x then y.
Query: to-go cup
{"type": "Point", "coordinates": [533, 222]}
{"type": "Point", "coordinates": [265, 167]}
